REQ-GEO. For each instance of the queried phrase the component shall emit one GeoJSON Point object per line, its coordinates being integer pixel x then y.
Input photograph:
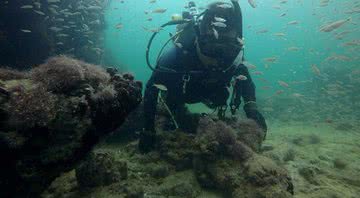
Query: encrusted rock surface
{"type": "Point", "coordinates": [53, 116]}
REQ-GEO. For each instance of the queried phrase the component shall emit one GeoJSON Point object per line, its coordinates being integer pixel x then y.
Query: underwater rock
{"type": "Point", "coordinates": [309, 173]}
{"type": "Point", "coordinates": [314, 139]}
{"type": "Point", "coordinates": [289, 155]}
{"type": "Point", "coordinates": [100, 169]}
{"type": "Point", "coordinates": [225, 161]}
{"type": "Point", "coordinates": [181, 184]}
{"type": "Point", "coordinates": [177, 148]}
{"type": "Point", "coordinates": [53, 117]}
{"type": "Point", "coordinates": [339, 163]}
{"type": "Point", "coordinates": [160, 171]}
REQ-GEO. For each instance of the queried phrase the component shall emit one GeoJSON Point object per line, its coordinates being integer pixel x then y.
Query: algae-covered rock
{"type": "Point", "coordinates": [52, 118]}
{"type": "Point", "coordinates": [181, 184]}
{"type": "Point", "coordinates": [100, 168]}
{"type": "Point", "coordinates": [177, 148]}
{"type": "Point", "coordinates": [227, 161]}
{"type": "Point", "coordinates": [309, 173]}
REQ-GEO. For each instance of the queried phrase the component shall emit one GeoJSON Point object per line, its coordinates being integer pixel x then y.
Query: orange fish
{"type": "Point", "coordinates": [283, 84]}
{"type": "Point", "coordinates": [279, 92]}
{"type": "Point", "coordinates": [258, 73]}
{"type": "Point", "coordinates": [315, 70]}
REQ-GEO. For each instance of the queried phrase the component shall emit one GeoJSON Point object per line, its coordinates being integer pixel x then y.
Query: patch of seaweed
{"type": "Point", "coordinates": [34, 107]}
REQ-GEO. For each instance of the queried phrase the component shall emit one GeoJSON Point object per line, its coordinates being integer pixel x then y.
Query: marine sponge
{"type": "Point", "coordinates": [94, 75]}
{"type": "Point", "coordinates": [219, 138]}
{"type": "Point", "coordinates": [34, 107]}
{"type": "Point", "coordinates": [249, 132]}
{"type": "Point", "coordinates": [59, 74]}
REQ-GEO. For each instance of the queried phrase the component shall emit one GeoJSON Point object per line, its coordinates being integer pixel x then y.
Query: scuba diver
{"type": "Point", "coordinates": [205, 60]}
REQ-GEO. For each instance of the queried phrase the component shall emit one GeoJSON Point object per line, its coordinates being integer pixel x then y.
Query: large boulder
{"type": "Point", "coordinates": [52, 116]}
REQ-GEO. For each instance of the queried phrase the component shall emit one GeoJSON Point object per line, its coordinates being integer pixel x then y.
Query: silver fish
{"type": "Point", "coordinates": [216, 34]}
{"type": "Point", "coordinates": [219, 24]}
{"type": "Point", "coordinates": [39, 12]}
{"type": "Point", "coordinates": [224, 6]}
{"type": "Point", "coordinates": [219, 19]}
{"type": "Point", "coordinates": [27, 7]}
{"type": "Point", "coordinates": [334, 25]}
{"type": "Point", "coordinates": [252, 3]}
{"type": "Point", "coordinates": [26, 31]}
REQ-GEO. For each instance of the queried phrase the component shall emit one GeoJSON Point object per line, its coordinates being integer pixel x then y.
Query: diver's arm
{"type": "Point", "coordinates": [147, 136]}
{"type": "Point", "coordinates": [247, 89]}
{"type": "Point", "coordinates": [150, 103]}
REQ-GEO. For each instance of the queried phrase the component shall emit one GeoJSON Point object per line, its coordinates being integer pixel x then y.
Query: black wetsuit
{"type": "Point", "coordinates": [205, 85]}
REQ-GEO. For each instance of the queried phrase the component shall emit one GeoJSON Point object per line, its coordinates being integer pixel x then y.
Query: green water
{"type": "Point", "coordinates": [127, 45]}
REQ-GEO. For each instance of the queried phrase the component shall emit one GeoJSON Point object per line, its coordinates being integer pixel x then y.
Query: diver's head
{"type": "Point", "coordinates": [219, 31]}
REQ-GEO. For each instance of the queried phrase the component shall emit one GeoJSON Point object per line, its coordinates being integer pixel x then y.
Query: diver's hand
{"type": "Point", "coordinates": [252, 113]}
{"type": "Point", "coordinates": [147, 141]}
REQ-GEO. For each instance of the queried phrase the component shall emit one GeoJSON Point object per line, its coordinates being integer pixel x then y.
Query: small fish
{"type": "Point", "coordinates": [262, 31]}
{"type": "Point", "coordinates": [283, 84]}
{"type": "Point", "coordinates": [160, 87]}
{"type": "Point", "coordinates": [241, 41]}
{"type": "Point", "coordinates": [283, 14]}
{"type": "Point", "coordinates": [293, 49]}
{"type": "Point", "coordinates": [37, 4]}
{"type": "Point", "coordinates": [270, 60]}
{"type": "Point", "coordinates": [27, 7]}
{"type": "Point", "coordinates": [297, 95]}
{"type": "Point", "coordinates": [39, 12]}
{"type": "Point", "coordinates": [55, 29]}
{"type": "Point", "coordinates": [353, 43]}
{"type": "Point", "coordinates": [159, 10]}
{"type": "Point", "coordinates": [94, 8]}
{"type": "Point", "coordinates": [154, 30]}
{"type": "Point", "coordinates": [280, 34]}
{"type": "Point", "coordinates": [249, 65]}
{"type": "Point", "coordinates": [26, 31]}
{"type": "Point", "coordinates": [152, 1]}
{"type": "Point", "coordinates": [332, 26]}
{"type": "Point", "coordinates": [315, 70]}
{"type": "Point", "coordinates": [219, 24]}
{"type": "Point", "coordinates": [216, 33]}
{"type": "Point", "coordinates": [59, 20]}
{"type": "Point", "coordinates": [279, 92]}
{"type": "Point", "coordinates": [258, 73]}
{"type": "Point", "coordinates": [241, 77]}
{"type": "Point", "coordinates": [119, 26]}
{"type": "Point", "coordinates": [219, 19]}
{"type": "Point", "coordinates": [62, 35]}
{"type": "Point", "coordinates": [224, 6]}
{"type": "Point", "coordinates": [265, 87]}
{"type": "Point", "coordinates": [293, 23]}
{"type": "Point", "coordinates": [252, 3]}
{"type": "Point", "coordinates": [179, 45]}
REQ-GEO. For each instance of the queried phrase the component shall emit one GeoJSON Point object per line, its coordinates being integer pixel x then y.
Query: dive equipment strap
{"type": "Point", "coordinates": [186, 79]}
{"type": "Point", "coordinates": [222, 111]}
{"type": "Point", "coordinates": [237, 61]}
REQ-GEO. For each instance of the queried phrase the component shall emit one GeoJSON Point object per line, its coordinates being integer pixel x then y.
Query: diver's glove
{"type": "Point", "coordinates": [251, 111]}
{"type": "Point", "coordinates": [147, 141]}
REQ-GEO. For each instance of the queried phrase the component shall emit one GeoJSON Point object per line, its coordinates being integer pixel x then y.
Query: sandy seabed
{"type": "Point", "coordinates": [323, 159]}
